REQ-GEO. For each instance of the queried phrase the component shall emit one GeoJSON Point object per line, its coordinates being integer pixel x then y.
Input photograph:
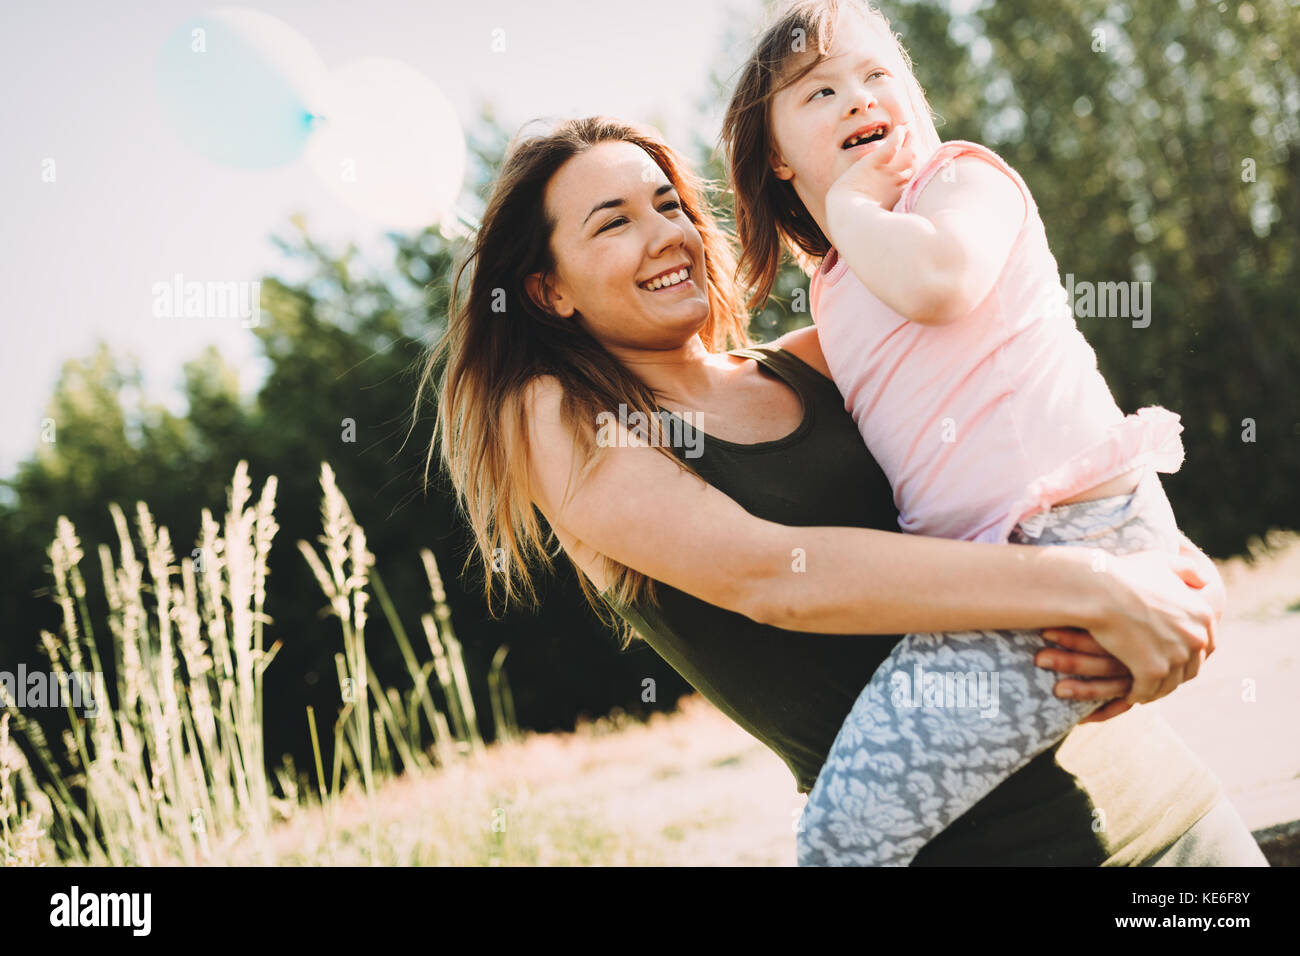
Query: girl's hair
{"type": "Point", "coordinates": [768, 211]}
{"type": "Point", "coordinates": [498, 340]}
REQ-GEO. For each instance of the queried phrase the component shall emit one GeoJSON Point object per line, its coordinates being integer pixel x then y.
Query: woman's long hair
{"type": "Point", "coordinates": [498, 340]}
{"type": "Point", "coordinates": [768, 210]}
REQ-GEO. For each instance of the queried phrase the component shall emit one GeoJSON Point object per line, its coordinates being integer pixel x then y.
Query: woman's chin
{"type": "Point", "coordinates": [689, 322]}
{"type": "Point", "coordinates": [685, 310]}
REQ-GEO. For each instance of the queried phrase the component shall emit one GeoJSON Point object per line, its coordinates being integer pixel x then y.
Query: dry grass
{"type": "Point", "coordinates": [175, 772]}
{"type": "Point", "coordinates": [689, 788]}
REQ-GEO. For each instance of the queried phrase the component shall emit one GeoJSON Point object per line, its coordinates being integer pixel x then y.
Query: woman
{"type": "Point", "coordinates": [601, 291]}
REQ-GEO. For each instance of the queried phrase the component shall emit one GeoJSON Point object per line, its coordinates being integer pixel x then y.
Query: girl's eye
{"type": "Point", "coordinates": [817, 93]}
{"type": "Point", "coordinates": [875, 73]}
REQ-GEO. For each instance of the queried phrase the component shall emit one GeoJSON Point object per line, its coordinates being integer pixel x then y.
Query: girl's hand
{"type": "Point", "coordinates": [1157, 621]}
{"type": "Point", "coordinates": [936, 263]}
{"type": "Point", "coordinates": [885, 167]}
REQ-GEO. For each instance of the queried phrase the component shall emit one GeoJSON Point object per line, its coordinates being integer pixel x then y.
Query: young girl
{"type": "Point", "coordinates": [940, 312]}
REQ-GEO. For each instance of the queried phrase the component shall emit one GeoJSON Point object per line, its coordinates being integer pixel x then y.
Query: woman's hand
{"type": "Point", "coordinates": [1080, 655]}
{"type": "Point", "coordinates": [1162, 618]}
{"type": "Point", "coordinates": [1206, 572]}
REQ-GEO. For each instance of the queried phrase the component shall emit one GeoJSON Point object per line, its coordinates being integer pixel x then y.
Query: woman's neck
{"type": "Point", "coordinates": [685, 375]}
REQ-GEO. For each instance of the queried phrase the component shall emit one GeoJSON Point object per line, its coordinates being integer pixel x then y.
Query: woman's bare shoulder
{"type": "Point", "coordinates": [803, 344]}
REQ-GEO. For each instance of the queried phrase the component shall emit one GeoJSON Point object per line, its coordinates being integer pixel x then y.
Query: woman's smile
{"type": "Point", "coordinates": [677, 278]}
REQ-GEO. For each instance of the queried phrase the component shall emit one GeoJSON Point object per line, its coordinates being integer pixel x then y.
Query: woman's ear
{"type": "Point", "coordinates": [535, 286]}
{"type": "Point", "coordinates": [541, 289]}
{"type": "Point", "coordinates": [779, 166]}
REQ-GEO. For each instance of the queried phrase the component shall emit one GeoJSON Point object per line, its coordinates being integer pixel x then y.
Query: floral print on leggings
{"type": "Point", "coordinates": [947, 717]}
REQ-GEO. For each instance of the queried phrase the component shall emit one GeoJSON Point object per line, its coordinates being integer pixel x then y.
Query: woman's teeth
{"type": "Point", "coordinates": [662, 282]}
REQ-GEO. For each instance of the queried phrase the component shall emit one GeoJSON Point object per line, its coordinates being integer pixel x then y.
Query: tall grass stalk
{"type": "Point", "coordinates": [171, 768]}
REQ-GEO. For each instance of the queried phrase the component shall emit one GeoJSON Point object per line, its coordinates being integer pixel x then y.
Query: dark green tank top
{"type": "Point", "coordinates": [1129, 787]}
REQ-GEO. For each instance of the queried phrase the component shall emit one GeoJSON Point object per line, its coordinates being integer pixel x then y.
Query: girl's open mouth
{"type": "Point", "coordinates": [868, 134]}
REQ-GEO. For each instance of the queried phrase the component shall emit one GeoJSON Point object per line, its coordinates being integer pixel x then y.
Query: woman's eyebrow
{"type": "Point", "coordinates": [613, 203]}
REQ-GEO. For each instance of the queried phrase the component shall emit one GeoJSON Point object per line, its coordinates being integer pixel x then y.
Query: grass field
{"type": "Point", "coordinates": [688, 788]}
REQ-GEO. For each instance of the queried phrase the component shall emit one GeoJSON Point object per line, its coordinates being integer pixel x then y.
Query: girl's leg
{"type": "Point", "coordinates": [947, 717]}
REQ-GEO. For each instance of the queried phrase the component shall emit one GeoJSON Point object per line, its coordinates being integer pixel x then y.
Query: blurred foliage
{"type": "Point", "coordinates": [1135, 141]}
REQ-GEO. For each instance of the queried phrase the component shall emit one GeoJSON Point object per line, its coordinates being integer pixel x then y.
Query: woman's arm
{"type": "Point", "coordinates": [1078, 653]}
{"type": "Point", "coordinates": [639, 509]}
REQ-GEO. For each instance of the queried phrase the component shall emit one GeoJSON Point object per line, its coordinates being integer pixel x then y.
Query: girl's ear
{"type": "Point", "coordinates": [779, 166]}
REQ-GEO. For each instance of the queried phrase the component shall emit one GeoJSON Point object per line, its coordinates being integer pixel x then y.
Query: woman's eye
{"type": "Point", "coordinates": [620, 220]}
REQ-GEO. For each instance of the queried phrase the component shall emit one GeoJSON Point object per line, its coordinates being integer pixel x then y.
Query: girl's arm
{"type": "Point", "coordinates": [638, 508]}
{"type": "Point", "coordinates": [935, 264]}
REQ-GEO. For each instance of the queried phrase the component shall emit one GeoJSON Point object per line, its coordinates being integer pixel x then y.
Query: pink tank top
{"type": "Point", "coordinates": [987, 421]}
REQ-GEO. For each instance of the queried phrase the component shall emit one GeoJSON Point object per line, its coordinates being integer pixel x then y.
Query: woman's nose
{"type": "Point", "coordinates": [665, 235]}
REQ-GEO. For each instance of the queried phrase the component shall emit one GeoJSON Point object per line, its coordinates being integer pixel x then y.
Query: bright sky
{"type": "Point", "coordinates": [132, 206]}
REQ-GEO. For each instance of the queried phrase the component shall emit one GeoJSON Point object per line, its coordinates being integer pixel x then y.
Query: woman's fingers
{"type": "Point", "coordinates": [1082, 655]}
{"type": "Point", "coordinates": [1200, 648]}
{"type": "Point", "coordinates": [1107, 711]}
{"type": "Point", "coordinates": [1148, 683]}
{"type": "Point", "coordinates": [1105, 689]}
{"type": "Point", "coordinates": [1084, 665]}
{"type": "Point", "coordinates": [1214, 632]}
{"type": "Point", "coordinates": [1075, 639]}
{"type": "Point", "coordinates": [1198, 571]}
{"type": "Point", "coordinates": [1187, 568]}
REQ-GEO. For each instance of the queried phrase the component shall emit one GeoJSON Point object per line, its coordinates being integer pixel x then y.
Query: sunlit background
{"type": "Point", "coordinates": [1162, 145]}
{"type": "Point", "coordinates": [133, 205]}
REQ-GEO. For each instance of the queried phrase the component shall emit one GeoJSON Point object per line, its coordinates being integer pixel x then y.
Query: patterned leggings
{"type": "Point", "coordinates": [947, 717]}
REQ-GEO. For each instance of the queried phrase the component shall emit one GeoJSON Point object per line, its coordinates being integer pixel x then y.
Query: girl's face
{"type": "Point", "coordinates": [826, 121]}
{"type": "Point", "coordinates": [627, 258]}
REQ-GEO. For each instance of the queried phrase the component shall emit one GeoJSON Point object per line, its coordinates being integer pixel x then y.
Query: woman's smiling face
{"type": "Point", "coordinates": [628, 260]}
